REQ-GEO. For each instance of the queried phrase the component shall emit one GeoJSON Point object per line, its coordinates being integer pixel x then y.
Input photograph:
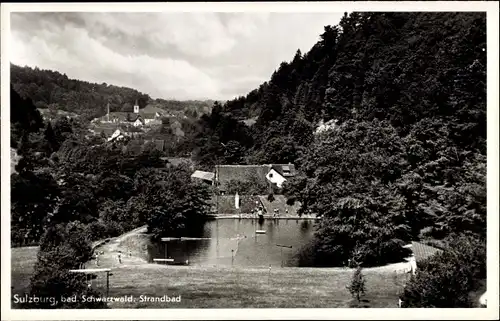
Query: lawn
{"type": "Point", "coordinates": [23, 260]}
{"type": "Point", "coordinates": [212, 287]}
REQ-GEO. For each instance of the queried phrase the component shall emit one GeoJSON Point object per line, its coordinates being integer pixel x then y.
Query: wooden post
{"type": "Point", "coordinates": [166, 252]}
{"type": "Point", "coordinates": [232, 258]}
{"type": "Point", "coordinates": [217, 245]}
{"type": "Point", "coordinates": [107, 283]}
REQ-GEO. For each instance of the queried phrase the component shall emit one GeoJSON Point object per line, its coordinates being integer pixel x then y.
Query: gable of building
{"type": "Point", "coordinates": [275, 177]}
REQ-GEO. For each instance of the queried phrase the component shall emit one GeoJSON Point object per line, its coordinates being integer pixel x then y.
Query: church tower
{"type": "Point", "coordinates": [136, 108]}
{"type": "Point", "coordinates": [107, 114]}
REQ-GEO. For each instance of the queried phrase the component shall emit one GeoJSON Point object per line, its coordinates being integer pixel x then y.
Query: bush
{"type": "Point", "coordinates": [95, 230]}
{"type": "Point", "coordinates": [446, 279]}
{"type": "Point", "coordinates": [63, 247]}
{"type": "Point", "coordinates": [357, 286]}
{"type": "Point", "coordinates": [99, 230]}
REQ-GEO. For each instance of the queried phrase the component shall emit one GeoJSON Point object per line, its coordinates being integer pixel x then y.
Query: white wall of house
{"type": "Point", "coordinates": [276, 178]}
{"type": "Point", "coordinates": [148, 120]}
{"type": "Point", "coordinates": [137, 123]}
{"type": "Point", "coordinates": [115, 135]}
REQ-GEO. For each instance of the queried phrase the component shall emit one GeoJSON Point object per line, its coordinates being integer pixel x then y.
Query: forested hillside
{"type": "Point", "coordinates": [53, 90]}
{"type": "Point", "coordinates": [399, 67]}
{"type": "Point", "coordinates": [406, 156]}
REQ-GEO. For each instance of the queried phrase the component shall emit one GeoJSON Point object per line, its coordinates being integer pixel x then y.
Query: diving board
{"type": "Point", "coordinates": [170, 238]}
{"type": "Point", "coordinates": [90, 270]}
{"type": "Point", "coordinates": [166, 239]}
{"type": "Point", "coordinates": [163, 260]}
{"type": "Point", "coordinates": [195, 238]}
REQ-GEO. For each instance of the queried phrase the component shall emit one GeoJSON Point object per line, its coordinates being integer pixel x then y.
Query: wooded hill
{"type": "Point", "coordinates": [398, 67]}
{"type": "Point", "coordinates": [53, 90]}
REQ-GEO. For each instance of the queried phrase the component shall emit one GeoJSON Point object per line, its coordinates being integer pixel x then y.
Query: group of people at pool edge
{"type": "Point", "coordinates": [259, 211]}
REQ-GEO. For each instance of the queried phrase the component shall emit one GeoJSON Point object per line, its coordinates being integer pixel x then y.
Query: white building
{"type": "Point", "coordinates": [275, 177]}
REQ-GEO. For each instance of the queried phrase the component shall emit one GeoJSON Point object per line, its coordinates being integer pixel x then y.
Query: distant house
{"type": "Point", "coordinates": [275, 174]}
{"type": "Point", "coordinates": [275, 178]}
{"type": "Point", "coordinates": [117, 135]}
{"type": "Point", "coordinates": [139, 117]}
{"type": "Point", "coordinates": [51, 114]}
{"type": "Point", "coordinates": [279, 173]}
{"type": "Point", "coordinates": [139, 122]}
{"type": "Point", "coordinates": [285, 170]}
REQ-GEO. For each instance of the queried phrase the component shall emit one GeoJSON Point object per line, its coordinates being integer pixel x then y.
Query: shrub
{"type": "Point", "coordinates": [357, 286]}
{"type": "Point", "coordinates": [446, 279]}
{"type": "Point", "coordinates": [96, 230]}
{"type": "Point", "coordinates": [63, 247]}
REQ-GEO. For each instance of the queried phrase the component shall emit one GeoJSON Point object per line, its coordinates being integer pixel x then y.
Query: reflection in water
{"type": "Point", "coordinates": [235, 241]}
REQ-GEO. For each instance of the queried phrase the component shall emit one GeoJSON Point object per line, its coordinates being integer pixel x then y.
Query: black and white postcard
{"type": "Point", "coordinates": [250, 160]}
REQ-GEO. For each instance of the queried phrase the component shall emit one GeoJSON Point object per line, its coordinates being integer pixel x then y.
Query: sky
{"type": "Point", "coordinates": [192, 55]}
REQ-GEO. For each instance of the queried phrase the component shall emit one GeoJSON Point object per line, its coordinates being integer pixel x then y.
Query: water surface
{"type": "Point", "coordinates": [235, 242]}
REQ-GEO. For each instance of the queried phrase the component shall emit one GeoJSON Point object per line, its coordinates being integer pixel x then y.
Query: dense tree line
{"type": "Point", "coordinates": [55, 91]}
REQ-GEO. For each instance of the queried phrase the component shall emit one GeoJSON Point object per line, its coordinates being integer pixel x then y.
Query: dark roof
{"type": "Point", "coordinates": [146, 115]}
{"type": "Point", "coordinates": [422, 251]}
{"type": "Point", "coordinates": [108, 131]}
{"type": "Point", "coordinates": [152, 109]}
{"type": "Point", "coordinates": [286, 170]}
{"type": "Point", "coordinates": [227, 173]}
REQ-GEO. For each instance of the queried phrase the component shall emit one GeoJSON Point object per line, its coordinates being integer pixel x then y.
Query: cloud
{"type": "Point", "coordinates": [167, 55]}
